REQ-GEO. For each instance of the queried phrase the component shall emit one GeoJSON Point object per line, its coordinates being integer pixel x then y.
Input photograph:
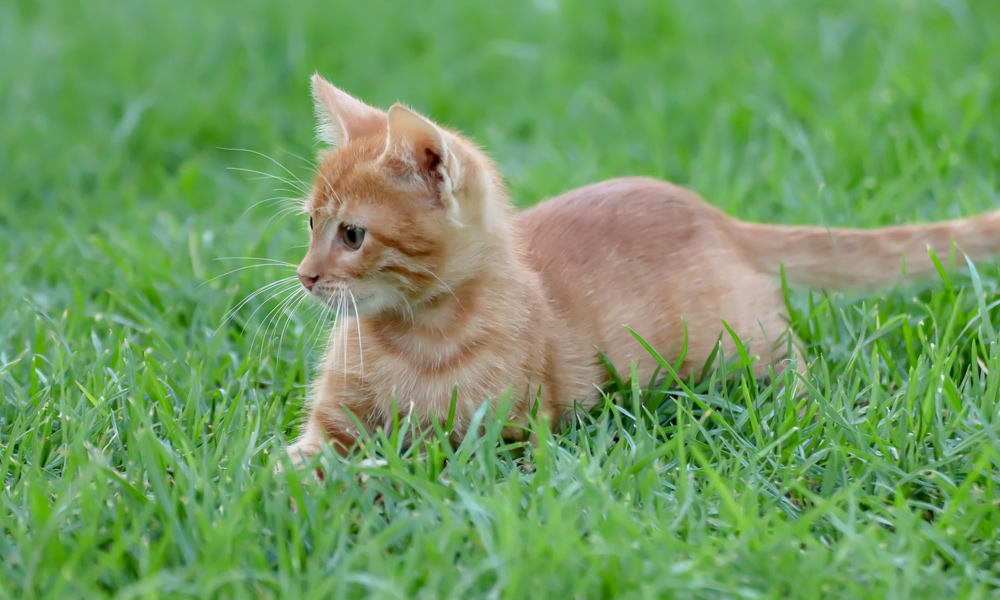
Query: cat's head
{"type": "Point", "coordinates": [401, 209]}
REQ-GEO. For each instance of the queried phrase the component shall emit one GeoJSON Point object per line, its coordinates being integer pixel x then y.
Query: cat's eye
{"type": "Point", "coordinates": [352, 236]}
{"type": "Point", "coordinates": [310, 222]}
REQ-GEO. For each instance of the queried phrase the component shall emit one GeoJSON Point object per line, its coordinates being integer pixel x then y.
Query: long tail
{"type": "Point", "coordinates": [840, 259]}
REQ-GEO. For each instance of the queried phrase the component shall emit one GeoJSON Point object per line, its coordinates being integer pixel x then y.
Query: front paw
{"type": "Point", "coordinates": [300, 453]}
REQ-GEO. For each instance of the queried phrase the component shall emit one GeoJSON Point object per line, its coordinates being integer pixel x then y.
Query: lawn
{"type": "Point", "coordinates": [139, 430]}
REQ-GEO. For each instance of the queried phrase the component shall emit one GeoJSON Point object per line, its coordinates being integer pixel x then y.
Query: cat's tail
{"type": "Point", "coordinates": [843, 259]}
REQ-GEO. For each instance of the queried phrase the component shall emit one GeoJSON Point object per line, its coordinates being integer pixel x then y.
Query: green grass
{"type": "Point", "coordinates": [137, 445]}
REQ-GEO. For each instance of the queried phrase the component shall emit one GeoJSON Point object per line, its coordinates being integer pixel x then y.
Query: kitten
{"type": "Point", "coordinates": [441, 287]}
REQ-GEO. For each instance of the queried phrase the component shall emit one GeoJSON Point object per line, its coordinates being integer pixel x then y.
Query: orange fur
{"type": "Point", "coordinates": [450, 290]}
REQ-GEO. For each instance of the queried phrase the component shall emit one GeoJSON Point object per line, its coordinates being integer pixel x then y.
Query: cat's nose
{"type": "Point", "coordinates": [308, 281]}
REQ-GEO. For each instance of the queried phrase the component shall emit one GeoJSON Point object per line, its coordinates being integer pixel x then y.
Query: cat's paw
{"type": "Point", "coordinates": [300, 453]}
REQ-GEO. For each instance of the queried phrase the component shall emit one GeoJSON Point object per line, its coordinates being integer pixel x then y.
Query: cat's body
{"type": "Point", "coordinates": [451, 291]}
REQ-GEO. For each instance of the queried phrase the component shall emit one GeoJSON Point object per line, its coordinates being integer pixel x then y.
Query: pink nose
{"type": "Point", "coordinates": [308, 281]}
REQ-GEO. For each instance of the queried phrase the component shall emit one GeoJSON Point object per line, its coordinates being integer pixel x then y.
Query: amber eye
{"type": "Point", "coordinates": [353, 236]}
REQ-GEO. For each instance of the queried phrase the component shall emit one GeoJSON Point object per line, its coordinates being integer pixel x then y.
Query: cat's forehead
{"type": "Point", "coordinates": [345, 174]}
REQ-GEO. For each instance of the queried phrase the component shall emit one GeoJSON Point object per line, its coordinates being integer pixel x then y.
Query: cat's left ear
{"type": "Point", "coordinates": [340, 116]}
{"type": "Point", "coordinates": [422, 148]}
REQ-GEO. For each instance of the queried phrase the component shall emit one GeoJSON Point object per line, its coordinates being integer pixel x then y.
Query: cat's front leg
{"type": "Point", "coordinates": [320, 430]}
{"type": "Point", "coordinates": [309, 444]}
{"type": "Point", "coordinates": [326, 425]}
{"type": "Point", "coordinates": [329, 422]}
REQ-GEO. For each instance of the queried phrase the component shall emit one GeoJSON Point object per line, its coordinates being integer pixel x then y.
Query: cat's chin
{"type": "Point", "coordinates": [369, 305]}
{"type": "Point", "coordinates": [357, 305]}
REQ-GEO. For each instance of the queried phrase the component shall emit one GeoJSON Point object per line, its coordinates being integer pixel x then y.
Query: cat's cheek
{"type": "Point", "coordinates": [368, 260]}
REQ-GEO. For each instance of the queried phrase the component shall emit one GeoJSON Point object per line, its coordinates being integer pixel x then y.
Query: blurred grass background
{"type": "Point", "coordinates": [134, 439]}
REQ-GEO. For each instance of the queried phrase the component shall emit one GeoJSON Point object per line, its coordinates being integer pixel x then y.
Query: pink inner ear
{"type": "Point", "coordinates": [429, 159]}
{"type": "Point", "coordinates": [420, 141]}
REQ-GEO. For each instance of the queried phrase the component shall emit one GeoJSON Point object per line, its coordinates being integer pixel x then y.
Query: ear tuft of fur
{"type": "Point", "coordinates": [340, 116]}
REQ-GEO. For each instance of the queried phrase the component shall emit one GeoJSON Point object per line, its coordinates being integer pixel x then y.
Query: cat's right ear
{"type": "Point", "coordinates": [340, 116]}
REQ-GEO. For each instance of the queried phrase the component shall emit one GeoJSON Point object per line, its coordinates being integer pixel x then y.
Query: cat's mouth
{"type": "Point", "coordinates": [334, 296]}
{"type": "Point", "coordinates": [342, 299]}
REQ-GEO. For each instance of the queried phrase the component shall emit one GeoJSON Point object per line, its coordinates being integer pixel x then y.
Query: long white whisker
{"type": "Point", "coordinates": [260, 290]}
{"type": "Point", "coordinates": [330, 343]}
{"type": "Point", "coordinates": [310, 311]}
{"type": "Point", "coordinates": [270, 261]}
{"type": "Point", "coordinates": [311, 164]}
{"type": "Point", "coordinates": [273, 160]}
{"type": "Point", "coordinates": [266, 325]}
{"type": "Point", "coordinates": [333, 192]}
{"type": "Point", "coordinates": [232, 312]}
{"type": "Point", "coordinates": [298, 186]}
{"type": "Point", "coordinates": [347, 331]}
{"type": "Point", "coordinates": [287, 312]}
{"type": "Point", "coordinates": [357, 319]}
{"type": "Point", "coordinates": [277, 292]}
{"type": "Point", "coordinates": [291, 314]}
{"type": "Point", "coordinates": [282, 214]}
{"type": "Point", "coordinates": [295, 191]}
{"type": "Point", "coordinates": [333, 342]}
{"type": "Point", "coordinates": [409, 309]}
{"type": "Point", "coordinates": [318, 172]}
{"type": "Point", "coordinates": [322, 318]}
{"type": "Point", "coordinates": [434, 275]}
{"type": "Point", "coordinates": [238, 269]}
{"type": "Point", "coordinates": [273, 200]}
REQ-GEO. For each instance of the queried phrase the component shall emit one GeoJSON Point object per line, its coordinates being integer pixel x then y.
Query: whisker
{"type": "Point", "coordinates": [333, 341]}
{"type": "Point", "coordinates": [281, 189]}
{"type": "Point", "coordinates": [262, 305]}
{"type": "Point", "coordinates": [266, 325]}
{"type": "Point", "coordinates": [287, 313]}
{"type": "Point", "coordinates": [272, 200]}
{"type": "Point", "coordinates": [409, 309]}
{"type": "Point", "coordinates": [322, 318]}
{"type": "Point", "coordinates": [282, 214]}
{"type": "Point", "coordinates": [300, 187]}
{"type": "Point", "coordinates": [269, 260]}
{"type": "Point", "coordinates": [347, 331]}
{"type": "Point", "coordinates": [338, 325]}
{"type": "Point", "coordinates": [317, 172]}
{"type": "Point", "coordinates": [319, 310]}
{"type": "Point", "coordinates": [286, 280]}
{"type": "Point", "coordinates": [311, 164]}
{"type": "Point", "coordinates": [279, 292]}
{"type": "Point", "coordinates": [236, 270]}
{"type": "Point", "coordinates": [357, 318]}
{"type": "Point", "coordinates": [273, 160]}
{"type": "Point", "coordinates": [232, 312]}
{"type": "Point", "coordinates": [333, 192]}
{"type": "Point", "coordinates": [446, 286]}
{"type": "Point", "coordinates": [303, 297]}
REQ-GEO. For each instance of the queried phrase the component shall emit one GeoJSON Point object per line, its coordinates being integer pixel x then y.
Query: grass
{"type": "Point", "coordinates": [138, 437]}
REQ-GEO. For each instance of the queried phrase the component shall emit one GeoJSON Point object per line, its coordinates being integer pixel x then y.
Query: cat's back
{"type": "Point", "coordinates": [620, 220]}
{"type": "Point", "coordinates": [637, 252]}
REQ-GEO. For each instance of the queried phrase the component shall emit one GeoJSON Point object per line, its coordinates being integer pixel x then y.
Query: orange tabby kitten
{"type": "Point", "coordinates": [413, 235]}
